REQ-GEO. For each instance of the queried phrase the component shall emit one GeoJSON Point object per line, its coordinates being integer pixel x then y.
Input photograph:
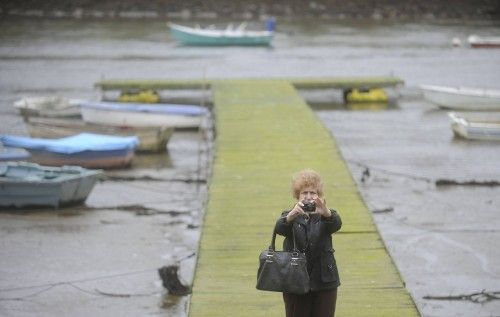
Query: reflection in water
{"type": "Point", "coordinates": [174, 305]}
{"type": "Point", "coordinates": [152, 160]}
{"type": "Point", "coordinates": [359, 106]}
{"type": "Point", "coordinates": [369, 106]}
{"type": "Point", "coordinates": [169, 300]}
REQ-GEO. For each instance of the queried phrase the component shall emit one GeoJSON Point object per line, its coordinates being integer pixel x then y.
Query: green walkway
{"type": "Point", "coordinates": [265, 133]}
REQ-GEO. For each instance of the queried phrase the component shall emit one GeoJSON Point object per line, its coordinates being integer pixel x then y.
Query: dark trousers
{"type": "Point", "coordinates": [312, 304]}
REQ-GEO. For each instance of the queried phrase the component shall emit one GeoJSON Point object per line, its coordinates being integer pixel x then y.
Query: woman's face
{"type": "Point", "coordinates": [308, 194]}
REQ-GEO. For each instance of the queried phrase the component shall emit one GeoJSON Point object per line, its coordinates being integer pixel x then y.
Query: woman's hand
{"type": "Point", "coordinates": [295, 212]}
{"type": "Point", "coordinates": [321, 208]}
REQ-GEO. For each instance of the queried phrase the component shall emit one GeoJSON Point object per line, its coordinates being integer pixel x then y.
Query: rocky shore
{"type": "Point", "coordinates": [259, 9]}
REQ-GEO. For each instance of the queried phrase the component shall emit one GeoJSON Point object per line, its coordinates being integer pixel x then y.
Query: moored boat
{"type": "Point", "coordinates": [238, 36]}
{"type": "Point", "coordinates": [142, 115]}
{"type": "Point", "coordinates": [26, 184]}
{"type": "Point", "coordinates": [13, 155]}
{"type": "Point", "coordinates": [151, 139]}
{"type": "Point", "coordinates": [48, 107]}
{"type": "Point", "coordinates": [85, 149]}
{"type": "Point", "coordinates": [476, 126]}
{"type": "Point", "coordinates": [462, 98]}
{"type": "Point", "coordinates": [484, 41]}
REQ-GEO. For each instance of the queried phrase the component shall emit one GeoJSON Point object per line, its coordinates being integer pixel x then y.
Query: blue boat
{"type": "Point", "coordinates": [218, 37]}
{"type": "Point", "coordinates": [27, 185]}
{"type": "Point", "coordinates": [85, 149]}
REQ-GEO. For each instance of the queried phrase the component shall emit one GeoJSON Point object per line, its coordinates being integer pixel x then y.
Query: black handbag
{"type": "Point", "coordinates": [282, 271]}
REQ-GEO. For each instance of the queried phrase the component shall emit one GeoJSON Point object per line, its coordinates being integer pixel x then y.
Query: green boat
{"type": "Point", "coordinates": [230, 36]}
{"type": "Point", "coordinates": [27, 184]}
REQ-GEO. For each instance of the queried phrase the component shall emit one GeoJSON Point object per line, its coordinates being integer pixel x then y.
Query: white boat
{"type": "Point", "coordinates": [484, 42]}
{"type": "Point", "coordinates": [151, 139]}
{"type": "Point", "coordinates": [142, 115]}
{"type": "Point", "coordinates": [476, 126]}
{"type": "Point", "coordinates": [221, 37]}
{"type": "Point", "coordinates": [48, 107]}
{"type": "Point", "coordinates": [462, 98]}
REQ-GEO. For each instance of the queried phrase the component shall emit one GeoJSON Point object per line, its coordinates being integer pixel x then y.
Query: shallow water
{"type": "Point", "coordinates": [441, 239]}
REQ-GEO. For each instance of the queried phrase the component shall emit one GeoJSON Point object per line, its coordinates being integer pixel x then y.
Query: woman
{"type": "Point", "coordinates": [313, 228]}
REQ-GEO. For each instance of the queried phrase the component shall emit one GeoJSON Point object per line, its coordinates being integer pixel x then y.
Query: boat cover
{"type": "Point", "coordinates": [186, 110]}
{"type": "Point", "coordinates": [73, 144]}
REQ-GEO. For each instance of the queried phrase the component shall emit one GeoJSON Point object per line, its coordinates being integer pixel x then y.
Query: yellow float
{"type": "Point", "coordinates": [142, 96]}
{"type": "Point", "coordinates": [366, 95]}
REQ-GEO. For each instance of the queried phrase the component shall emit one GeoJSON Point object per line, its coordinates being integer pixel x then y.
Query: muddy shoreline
{"type": "Point", "coordinates": [255, 10]}
{"type": "Point", "coordinates": [112, 246]}
{"type": "Point", "coordinates": [442, 238]}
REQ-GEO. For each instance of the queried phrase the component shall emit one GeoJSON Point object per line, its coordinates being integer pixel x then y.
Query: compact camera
{"type": "Point", "coordinates": [309, 206]}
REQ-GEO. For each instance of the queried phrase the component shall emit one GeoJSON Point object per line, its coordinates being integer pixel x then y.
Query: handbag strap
{"type": "Point", "coordinates": [272, 247]}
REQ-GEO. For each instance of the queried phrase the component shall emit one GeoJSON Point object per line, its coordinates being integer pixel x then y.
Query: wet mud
{"type": "Point", "coordinates": [103, 259]}
{"type": "Point", "coordinates": [438, 219]}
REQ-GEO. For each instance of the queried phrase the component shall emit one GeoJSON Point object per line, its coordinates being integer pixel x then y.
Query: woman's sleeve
{"type": "Point", "coordinates": [333, 223]}
{"type": "Point", "coordinates": [282, 227]}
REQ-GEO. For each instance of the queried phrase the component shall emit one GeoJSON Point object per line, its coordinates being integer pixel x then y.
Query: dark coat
{"type": "Point", "coordinates": [314, 238]}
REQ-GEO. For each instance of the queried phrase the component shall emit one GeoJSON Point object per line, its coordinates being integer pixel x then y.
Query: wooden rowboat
{"type": "Point", "coordinates": [151, 139]}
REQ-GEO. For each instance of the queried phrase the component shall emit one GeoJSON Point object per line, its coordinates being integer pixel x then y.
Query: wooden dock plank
{"type": "Point", "coordinates": [265, 132]}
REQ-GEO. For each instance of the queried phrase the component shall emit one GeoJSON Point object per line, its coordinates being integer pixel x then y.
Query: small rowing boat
{"type": "Point", "coordinates": [476, 126]}
{"type": "Point", "coordinates": [229, 36]}
{"type": "Point", "coordinates": [47, 107]}
{"type": "Point", "coordinates": [151, 139]}
{"type": "Point", "coordinates": [26, 184]}
{"type": "Point", "coordinates": [141, 115]}
{"type": "Point", "coordinates": [85, 149]}
{"type": "Point", "coordinates": [462, 98]}
{"type": "Point", "coordinates": [484, 41]}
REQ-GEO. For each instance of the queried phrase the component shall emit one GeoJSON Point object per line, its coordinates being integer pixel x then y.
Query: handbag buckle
{"type": "Point", "coordinates": [269, 257]}
{"type": "Point", "coordinates": [295, 258]}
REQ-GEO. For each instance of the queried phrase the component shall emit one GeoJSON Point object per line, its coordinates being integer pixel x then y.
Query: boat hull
{"type": "Point", "coordinates": [124, 118]}
{"type": "Point", "coordinates": [485, 45]}
{"type": "Point", "coordinates": [484, 42]}
{"type": "Point", "coordinates": [63, 186]}
{"type": "Point", "coordinates": [199, 37]}
{"type": "Point", "coordinates": [88, 159]}
{"type": "Point", "coordinates": [52, 107]}
{"type": "Point", "coordinates": [13, 155]}
{"type": "Point", "coordinates": [461, 99]}
{"type": "Point", "coordinates": [150, 139]}
{"type": "Point", "coordinates": [476, 127]}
